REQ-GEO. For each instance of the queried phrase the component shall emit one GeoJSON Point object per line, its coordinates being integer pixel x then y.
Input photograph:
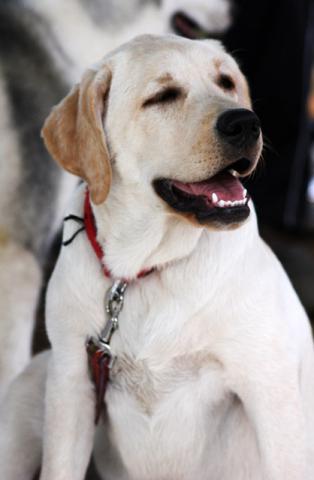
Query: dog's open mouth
{"type": "Point", "coordinates": [184, 25]}
{"type": "Point", "coordinates": [221, 199]}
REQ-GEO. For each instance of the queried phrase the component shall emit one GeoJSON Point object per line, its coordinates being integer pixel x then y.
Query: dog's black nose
{"type": "Point", "coordinates": [239, 127]}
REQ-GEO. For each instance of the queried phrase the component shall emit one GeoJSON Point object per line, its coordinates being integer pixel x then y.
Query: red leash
{"type": "Point", "coordinates": [98, 349]}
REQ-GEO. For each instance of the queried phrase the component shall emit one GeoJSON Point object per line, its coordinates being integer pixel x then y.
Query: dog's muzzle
{"type": "Point", "coordinates": [220, 200]}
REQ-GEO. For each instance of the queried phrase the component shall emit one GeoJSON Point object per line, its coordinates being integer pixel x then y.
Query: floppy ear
{"type": "Point", "coordinates": [74, 133]}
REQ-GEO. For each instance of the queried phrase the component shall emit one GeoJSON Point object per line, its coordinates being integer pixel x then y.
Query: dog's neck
{"type": "Point", "coordinates": [136, 237]}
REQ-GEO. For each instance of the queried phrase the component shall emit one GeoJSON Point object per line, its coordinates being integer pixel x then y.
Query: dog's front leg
{"type": "Point", "coordinates": [273, 403]}
{"type": "Point", "coordinates": [69, 414]}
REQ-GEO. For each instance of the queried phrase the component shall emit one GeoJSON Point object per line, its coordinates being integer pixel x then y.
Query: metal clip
{"type": "Point", "coordinates": [115, 297]}
{"type": "Point", "coordinates": [113, 305]}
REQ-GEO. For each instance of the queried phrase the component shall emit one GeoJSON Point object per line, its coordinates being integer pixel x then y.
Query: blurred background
{"type": "Point", "coordinates": [44, 47]}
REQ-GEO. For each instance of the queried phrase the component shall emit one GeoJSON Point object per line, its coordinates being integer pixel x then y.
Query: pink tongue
{"type": "Point", "coordinates": [224, 185]}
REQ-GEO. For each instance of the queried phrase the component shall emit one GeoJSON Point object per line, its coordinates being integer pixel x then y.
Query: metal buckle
{"type": "Point", "coordinates": [114, 299]}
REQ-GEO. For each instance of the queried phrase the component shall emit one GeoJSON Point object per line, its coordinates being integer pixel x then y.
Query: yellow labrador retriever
{"type": "Point", "coordinates": [211, 371]}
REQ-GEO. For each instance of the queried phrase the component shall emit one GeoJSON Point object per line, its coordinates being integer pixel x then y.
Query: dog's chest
{"type": "Point", "coordinates": [167, 392]}
{"type": "Point", "coordinates": [160, 414]}
{"type": "Point", "coordinates": [150, 386]}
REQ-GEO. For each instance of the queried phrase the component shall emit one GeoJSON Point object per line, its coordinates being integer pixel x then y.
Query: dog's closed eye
{"type": "Point", "coordinates": [165, 96]}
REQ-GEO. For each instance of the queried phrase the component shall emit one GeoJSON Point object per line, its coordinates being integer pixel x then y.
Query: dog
{"type": "Point", "coordinates": [51, 42]}
{"type": "Point", "coordinates": [213, 370]}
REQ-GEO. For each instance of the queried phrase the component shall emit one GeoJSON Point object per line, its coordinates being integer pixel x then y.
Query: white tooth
{"type": "Point", "coordinates": [244, 193]}
{"type": "Point", "coordinates": [233, 172]}
{"type": "Point", "coordinates": [214, 198]}
{"type": "Point", "coordinates": [221, 203]}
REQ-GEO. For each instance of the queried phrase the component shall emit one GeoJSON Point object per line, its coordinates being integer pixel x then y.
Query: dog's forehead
{"type": "Point", "coordinates": [173, 52]}
{"type": "Point", "coordinates": [149, 57]}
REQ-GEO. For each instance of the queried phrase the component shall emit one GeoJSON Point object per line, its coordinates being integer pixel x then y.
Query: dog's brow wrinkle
{"type": "Point", "coordinates": [217, 63]}
{"type": "Point", "coordinates": [165, 78]}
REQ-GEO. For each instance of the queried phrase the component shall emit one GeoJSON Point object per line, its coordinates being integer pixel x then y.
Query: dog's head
{"type": "Point", "coordinates": [168, 118]}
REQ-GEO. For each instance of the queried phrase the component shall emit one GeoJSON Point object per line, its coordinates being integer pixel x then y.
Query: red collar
{"type": "Point", "coordinates": [91, 231]}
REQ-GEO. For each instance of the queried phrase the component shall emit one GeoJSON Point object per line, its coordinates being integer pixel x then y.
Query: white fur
{"type": "Point", "coordinates": [214, 377]}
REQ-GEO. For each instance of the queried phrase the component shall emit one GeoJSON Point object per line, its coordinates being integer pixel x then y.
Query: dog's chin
{"type": "Point", "coordinates": [220, 202]}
